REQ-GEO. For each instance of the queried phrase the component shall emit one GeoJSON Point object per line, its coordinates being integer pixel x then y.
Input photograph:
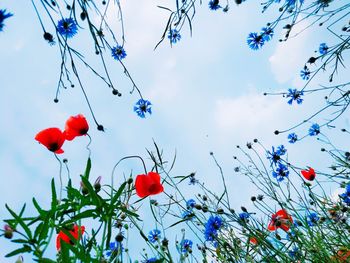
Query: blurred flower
{"type": "Point", "coordinates": [323, 49]}
{"type": "Point", "coordinates": [312, 219]}
{"type": "Point", "coordinates": [292, 137]}
{"type": "Point", "coordinates": [67, 27]}
{"type": "Point", "coordinates": [143, 106]}
{"type": "Point", "coordinates": [281, 219]}
{"type": "Point", "coordinates": [294, 253]}
{"type": "Point", "coordinates": [52, 139]}
{"type": "Point", "coordinates": [314, 129]}
{"type": "Point", "coordinates": [267, 33]}
{"type": "Point", "coordinates": [114, 247]}
{"type": "Point", "coordinates": [118, 53]}
{"type": "Point", "coordinates": [255, 41]}
{"type": "Point", "coordinates": [154, 235]}
{"type": "Point", "coordinates": [193, 179]}
{"type": "Point", "coordinates": [76, 233]}
{"type": "Point", "coordinates": [212, 226]}
{"type": "Point", "coordinates": [3, 16]}
{"type": "Point", "coordinates": [295, 95]}
{"type": "Point", "coordinates": [244, 216]}
{"type": "Point", "coordinates": [305, 73]}
{"type": "Point", "coordinates": [281, 172]}
{"type": "Point", "coordinates": [186, 245]}
{"type": "Point", "coordinates": [149, 184]}
{"type": "Point", "coordinates": [214, 5]}
{"type": "Point", "coordinates": [308, 174]}
{"type": "Point", "coordinates": [190, 203]}
{"type": "Point", "coordinates": [253, 240]}
{"type": "Point", "coordinates": [76, 126]}
{"type": "Point", "coordinates": [174, 36]}
{"type": "Point", "coordinates": [150, 260]}
{"type": "Point", "coordinates": [346, 196]}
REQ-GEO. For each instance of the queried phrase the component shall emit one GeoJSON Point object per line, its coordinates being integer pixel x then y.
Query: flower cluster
{"type": "Point", "coordinates": [255, 41]}
{"type": "Point", "coordinates": [54, 138]}
{"type": "Point", "coordinates": [280, 171]}
{"type": "Point", "coordinates": [212, 226]}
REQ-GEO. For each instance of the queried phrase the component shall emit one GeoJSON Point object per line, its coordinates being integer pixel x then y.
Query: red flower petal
{"type": "Point", "coordinates": [76, 233]}
{"type": "Point", "coordinates": [76, 126]}
{"type": "Point", "coordinates": [308, 174]}
{"type": "Point", "coordinates": [149, 184]}
{"type": "Point", "coordinates": [52, 139]}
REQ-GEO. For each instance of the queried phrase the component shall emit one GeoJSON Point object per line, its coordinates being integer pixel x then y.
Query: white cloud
{"type": "Point", "coordinates": [289, 56]}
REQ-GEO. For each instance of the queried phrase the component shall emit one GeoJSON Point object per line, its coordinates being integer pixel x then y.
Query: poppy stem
{"type": "Point", "coordinates": [60, 174]}
{"type": "Point", "coordinates": [87, 146]}
{"type": "Point", "coordinates": [122, 159]}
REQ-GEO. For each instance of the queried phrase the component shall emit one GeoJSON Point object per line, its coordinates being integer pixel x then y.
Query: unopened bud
{"type": "Point", "coordinates": [8, 231]}
{"type": "Point", "coordinates": [97, 184]}
{"type": "Point", "coordinates": [84, 190]}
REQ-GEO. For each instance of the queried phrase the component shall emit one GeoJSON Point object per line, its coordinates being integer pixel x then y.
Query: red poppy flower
{"type": "Point", "coordinates": [253, 240]}
{"type": "Point", "coordinates": [309, 174]}
{"type": "Point", "coordinates": [280, 220]}
{"type": "Point", "coordinates": [76, 126]}
{"type": "Point", "coordinates": [148, 184]}
{"type": "Point", "coordinates": [343, 255]}
{"type": "Point", "coordinates": [76, 233]}
{"type": "Point", "coordinates": [52, 139]}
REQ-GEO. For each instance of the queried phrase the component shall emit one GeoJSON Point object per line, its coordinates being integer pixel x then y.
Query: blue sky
{"type": "Point", "coordinates": [206, 93]}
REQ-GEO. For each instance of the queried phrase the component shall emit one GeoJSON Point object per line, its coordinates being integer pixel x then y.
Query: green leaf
{"type": "Point", "coordinates": [24, 249]}
{"type": "Point", "coordinates": [54, 195]}
{"type": "Point", "coordinates": [20, 221]}
{"type": "Point", "coordinates": [117, 194]}
{"type": "Point", "coordinates": [88, 168]}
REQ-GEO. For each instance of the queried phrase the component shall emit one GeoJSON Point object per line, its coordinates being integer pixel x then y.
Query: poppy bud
{"type": "Point", "coordinates": [83, 188]}
{"type": "Point", "coordinates": [8, 231]}
{"type": "Point", "coordinates": [119, 238]}
{"type": "Point", "coordinates": [205, 209]}
{"type": "Point", "coordinates": [165, 242]}
{"type": "Point", "coordinates": [130, 180]}
{"type": "Point", "coordinates": [97, 184]}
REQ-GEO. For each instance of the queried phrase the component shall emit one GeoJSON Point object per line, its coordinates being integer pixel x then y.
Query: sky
{"type": "Point", "coordinates": [206, 91]}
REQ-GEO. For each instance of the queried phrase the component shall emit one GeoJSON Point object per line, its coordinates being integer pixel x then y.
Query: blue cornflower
{"type": "Point", "coordinates": [190, 203]}
{"type": "Point", "coordinates": [67, 27]}
{"type": "Point", "coordinates": [281, 172]}
{"type": "Point", "coordinates": [267, 33]}
{"type": "Point", "coordinates": [346, 196]}
{"type": "Point", "coordinates": [255, 41]}
{"type": "Point", "coordinates": [295, 94]}
{"type": "Point", "coordinates": [244, 216]}
{"type": "Point", "coordinates": [314, 130]}
{"type": "Point", "coordinates": [212, 226]}
{"type": "Point", "coordinates": [193, 179]}
{"type": "Point", "coordinates": [118, 53]}
{"type": "Point", "coordinates": [281, 150]}
{"type": "Point", "coordinates": [323, 49]}
{"type": "Point", "coordinates": [114, 247]}
{"type": "Point", "coordinates": [214, 5]}
{"type": "Point", "coordinates": [187, 214]}
{"type": "Point", "coordinates": [292, 137]}
{"type": "Point", "coordinates": [186, 245]}
{"type": "Point", "coordinates": [275, 156]}
{"type": "Point", "coordinates": [305, 73]}
{"type": "Point", "coordinates": [154, 235]}
{"type": "Point", "coordinates": [294, 253]}
{"type": "Point", "coordinates": [150, 260]}
{"type": "Point", "coordinates": [3, 16]}
{"type": "Point", "coordinates": [174, 36]}
{"type": "Point", "coordinates": [143, 106]}
{"type": "Point", "coordinates": [312, 219]}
